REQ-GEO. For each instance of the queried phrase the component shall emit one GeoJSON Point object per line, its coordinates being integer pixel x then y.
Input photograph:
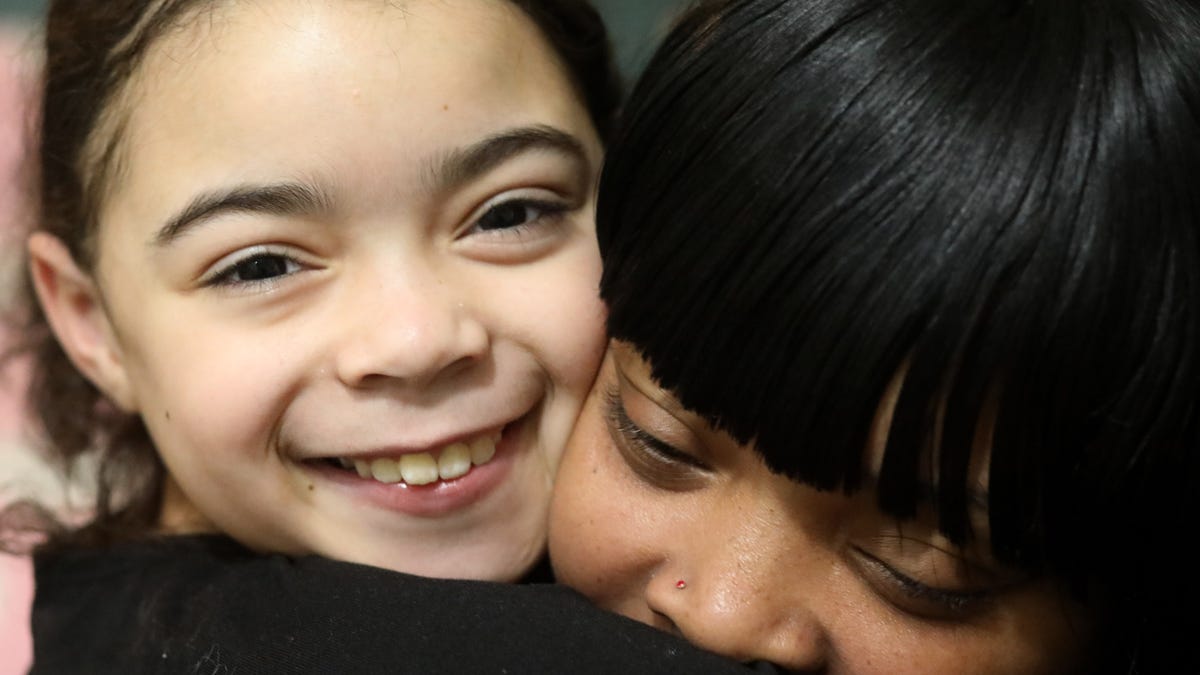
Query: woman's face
{"type": "Point", "coordinates": [661, 518]}
{"type": "Point", "coordinates": [348, 275]}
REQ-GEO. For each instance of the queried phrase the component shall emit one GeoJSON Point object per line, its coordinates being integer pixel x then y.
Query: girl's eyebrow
{"type": "Point", "coordinates": [461, 166]}
{"type": "Point", "coordinates": [458, 167]}
{"type": "Point", "coordinates": [281, 199]}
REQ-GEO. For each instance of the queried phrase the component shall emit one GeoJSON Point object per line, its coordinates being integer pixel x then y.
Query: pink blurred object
{"type": "Point", "coordinates": [15, 94]}
{"type": "Point", "coordinates": [16, 596]}
{"type": "Point", "coordinates": [16, 578]}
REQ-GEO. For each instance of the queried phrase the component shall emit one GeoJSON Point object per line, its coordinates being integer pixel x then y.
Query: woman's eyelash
{"type": "Point", "coordinates": [628, 429]}
{"type": "Point", "coordinates": [955, 601]}
{"type": "Point", "coordinates": [949, 602]}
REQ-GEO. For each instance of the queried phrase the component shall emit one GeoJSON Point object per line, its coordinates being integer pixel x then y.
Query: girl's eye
{"type": "Point", "coordinates": [925, 600]}
{"type": "Point", "coordinates": [652, 459]}
{"type": "Point", "coordinates": [256, 268]}
{"type": "Point", "coordinates": [518, 214]}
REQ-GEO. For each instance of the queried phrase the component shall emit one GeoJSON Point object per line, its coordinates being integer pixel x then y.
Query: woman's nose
{"type": "Point", "coordinates": [742, 604]}
{"type": "Point", "coordinates": [411, 330]}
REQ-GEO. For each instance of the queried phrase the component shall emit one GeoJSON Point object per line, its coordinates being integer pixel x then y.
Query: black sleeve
{"type": "Point", "coordinates": [206, 615]}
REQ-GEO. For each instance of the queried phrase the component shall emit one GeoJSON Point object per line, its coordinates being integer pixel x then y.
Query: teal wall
{"type": "Point", "coordinates": [636, 25]}
{"type": "Point", "coordinates": [19, 7]}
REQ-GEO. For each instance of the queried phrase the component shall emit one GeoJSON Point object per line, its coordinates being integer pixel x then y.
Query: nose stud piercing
{"type": "Point", "coordinates": [681, 584]}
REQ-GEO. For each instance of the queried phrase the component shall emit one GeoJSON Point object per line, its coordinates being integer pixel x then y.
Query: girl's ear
{"type": "Point", "coordinates": [71, 303]}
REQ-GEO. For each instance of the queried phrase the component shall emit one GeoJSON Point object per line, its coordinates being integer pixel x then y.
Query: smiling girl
{"type": "Point", "coordinates": [321, 275]}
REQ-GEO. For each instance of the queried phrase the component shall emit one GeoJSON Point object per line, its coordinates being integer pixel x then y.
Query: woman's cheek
{"type": "Point", "coordinates": [592, 524]}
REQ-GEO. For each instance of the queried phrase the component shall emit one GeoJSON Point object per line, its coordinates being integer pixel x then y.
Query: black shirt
{"type": "Point", "coordinates": [205, 605]}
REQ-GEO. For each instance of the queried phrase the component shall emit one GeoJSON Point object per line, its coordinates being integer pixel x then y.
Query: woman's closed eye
{"type": "Point", "coordinates": [652, 459]}
{"type": "Point", "coordinates": [947, 589]}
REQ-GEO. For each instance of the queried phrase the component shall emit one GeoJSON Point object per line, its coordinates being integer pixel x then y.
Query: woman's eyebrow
{"type": "Point", "coordinates": [280, 199]}
{"type": "Point", "coordinates": [977, 496]}
{"type": "Point", "coordinates": [461, 166]}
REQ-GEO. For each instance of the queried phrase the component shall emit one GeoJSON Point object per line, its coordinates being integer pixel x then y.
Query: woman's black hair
{"type": "Point", "coordinates": [997, 202]}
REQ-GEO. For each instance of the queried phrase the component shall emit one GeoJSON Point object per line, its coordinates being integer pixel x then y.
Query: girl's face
{"type": "Point", "coordinates": [665, 520]}
{"type": "Point", "coordinates": [348, 276]}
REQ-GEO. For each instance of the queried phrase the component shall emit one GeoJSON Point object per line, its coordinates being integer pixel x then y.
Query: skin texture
{"type": "Point", "coordinates": [774, 570]}
{"type": "Point", "coordinates": [413, 305]}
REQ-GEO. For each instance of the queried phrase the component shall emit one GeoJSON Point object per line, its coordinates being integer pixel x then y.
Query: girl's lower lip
{"type": "Point", "coordinates": [433, 500]}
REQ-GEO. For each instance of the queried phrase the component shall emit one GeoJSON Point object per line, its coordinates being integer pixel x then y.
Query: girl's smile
{"type": "Point", "coordinates": [428, 483]}
{"type": "Point", "coordinates": [346, 275]}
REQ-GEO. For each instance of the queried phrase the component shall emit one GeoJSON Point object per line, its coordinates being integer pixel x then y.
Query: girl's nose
{"type": "Point", "coordinates": [409, 332]}
{"type": "Point", "coordinates": [744, 605]}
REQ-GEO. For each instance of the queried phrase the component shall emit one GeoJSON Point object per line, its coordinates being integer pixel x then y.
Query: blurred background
{"type": "Point", "coordinates": [635, 26]}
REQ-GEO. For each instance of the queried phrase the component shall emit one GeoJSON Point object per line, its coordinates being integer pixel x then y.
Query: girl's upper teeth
{"type": "Point", "coordinates": [423, 468]}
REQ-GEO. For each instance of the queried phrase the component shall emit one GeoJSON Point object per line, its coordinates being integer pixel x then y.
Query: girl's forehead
{"type": "Point", "coordinates": [411, 42]}
{"type": "Point", "coordinates": [363, 92]}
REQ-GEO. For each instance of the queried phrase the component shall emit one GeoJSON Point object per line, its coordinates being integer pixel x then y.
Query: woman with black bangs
{"type": "Point", "coordinates": [905, 306]}
{"type": "Point", "coordinates": [911, 385]}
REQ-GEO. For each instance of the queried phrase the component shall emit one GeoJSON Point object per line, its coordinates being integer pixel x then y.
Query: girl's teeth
{"type": "Point", "coordinates": [454, 461]}
{"type": "Point", "coordinates": [363, 467]}
{"type": "Point", "coordinates": [421, 468]}
{"type": "Point", "coordinates": [482, 450]}
{"type": "Point", "coordinates": [385, 470]}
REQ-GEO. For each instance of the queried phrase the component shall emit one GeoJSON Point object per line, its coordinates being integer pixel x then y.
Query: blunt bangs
{"type": "Point", "coordinates": [992, 200]}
